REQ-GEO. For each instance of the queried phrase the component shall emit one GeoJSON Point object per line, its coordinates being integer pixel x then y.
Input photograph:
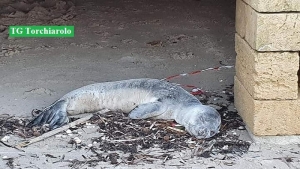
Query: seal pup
{"type": "Point", "coordinates": [141, 98]}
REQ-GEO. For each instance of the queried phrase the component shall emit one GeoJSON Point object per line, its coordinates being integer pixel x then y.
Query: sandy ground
{"type": "Point", "coordinates": [117, 40]}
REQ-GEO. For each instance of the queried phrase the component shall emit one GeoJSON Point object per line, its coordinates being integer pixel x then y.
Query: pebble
{"type": "Point", "coordinates": [195, 90]}
{"type": "Point", "coordinates": [77, 140]}
{"type": "Point", "coordinates": [227, 140]}
{"type": "Point", "coordinates": [90, 145]}
{"type": "Point", "coordinates": [225, 147]}
{"type": "Point", "coordinates": [5, 158]}
{"type": "Point", "coordinates": [5, 138]}
{"type": "Point", "coordinates": [103, 138]}
{"type": "Point", "coordinates": [241, 128]}
{"type": "Point", "coordinates": [166, 138]}
{"type": "Point", "coordinates": [68, 131]}
{"type": "Point", "coordinates": [89, 127]}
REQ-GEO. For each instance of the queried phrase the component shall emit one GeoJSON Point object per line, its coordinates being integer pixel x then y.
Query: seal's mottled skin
{"type": "Point", "coordinates": [141, 98]}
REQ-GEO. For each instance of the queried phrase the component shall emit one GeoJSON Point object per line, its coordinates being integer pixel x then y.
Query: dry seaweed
{"type": "Point", "coordinates": [121, 135]}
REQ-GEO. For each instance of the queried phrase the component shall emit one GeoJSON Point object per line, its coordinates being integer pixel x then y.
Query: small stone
{"type": "Point", "coordinates": [21, 122]}
{"type": "Point", "coordinates": [90, 145]}
{"type": "Point", "coordinates": [68, 131]}
{"type": "Point", "coordinates": [195, 90]}
{"type": "Point", "coordinates": [5, 157]}
{"type": "Point", "coordinates": [228, 163]}
{"type": "Point", "coordinates": [227, 140]}
{"type": "Point", "coordinates": [225, 147]}
{"type": "Point", "coordinates": [241, 128]}
{"type": "Point", "coordinates": [90, 127]}
{"type": "Point", "coordinates": [166, 138]}
{"type": "Point", "coordinates": [95, 142]}
{"type": "Point", "coordinates": [36, 133]}
{"type": "Point", "coordinates": [75, 132]}
{"type": "Point", "coordinates": [5, 138]}
{"type": "Point", "coordinates": [77, 140]}
{"type": "Point", "coordinates": [146, 130]}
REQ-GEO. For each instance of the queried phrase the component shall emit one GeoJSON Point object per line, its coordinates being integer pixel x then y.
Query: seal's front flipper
{"type": "Point", "coordinates": [147, 110]}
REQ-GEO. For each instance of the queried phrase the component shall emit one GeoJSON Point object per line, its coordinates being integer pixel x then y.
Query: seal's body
{"type": "Point", "coordinates": [141, 98]}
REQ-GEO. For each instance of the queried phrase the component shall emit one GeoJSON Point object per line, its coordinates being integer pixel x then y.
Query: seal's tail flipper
{"type": "Point", "coordinates": [146, 110]}
{"type": "Point", "coordinates": [55, 116]}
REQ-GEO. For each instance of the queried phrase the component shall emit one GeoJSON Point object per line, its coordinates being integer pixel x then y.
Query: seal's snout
{"type": "Point", "coordinates": [204, 122]}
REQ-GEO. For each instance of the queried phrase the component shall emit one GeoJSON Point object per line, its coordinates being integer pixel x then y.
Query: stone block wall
{"type": "Point", "coordinates": [267, 62]}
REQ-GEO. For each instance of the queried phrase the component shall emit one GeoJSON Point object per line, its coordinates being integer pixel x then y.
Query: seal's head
{"type": "Point", "coordinates": [202, 121]}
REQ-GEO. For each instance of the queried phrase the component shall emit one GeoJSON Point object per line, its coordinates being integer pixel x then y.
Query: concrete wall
{"type": "Point", "coordinates": [266, 81]}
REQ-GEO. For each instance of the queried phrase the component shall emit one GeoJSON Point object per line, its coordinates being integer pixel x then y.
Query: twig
{"type": "Point", "coordinates": [165, 159]}
{"type": "Point", "coordinates": [175, 129]}
{"type": "Point", "coordinates": [6, 121]}
{"type": "Point", "coordinates": [195, 150]}
{"type": "Point", "coordinates": [152, 125]}
{"type": "Point", "coordinates": [118, 141]}
{"type": "Point", "coordinates": [7, 145]}
{"type": "Point", "coordinates": [208, 148]}
{"type": "Point", "coordinates": [53, 132]}
{"type": "Point", "coordinates": [286, 162]}
{"type": "Point", "coordinates": [60, 160]}
{"type": "Point", "coordinates": [181, 159]}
